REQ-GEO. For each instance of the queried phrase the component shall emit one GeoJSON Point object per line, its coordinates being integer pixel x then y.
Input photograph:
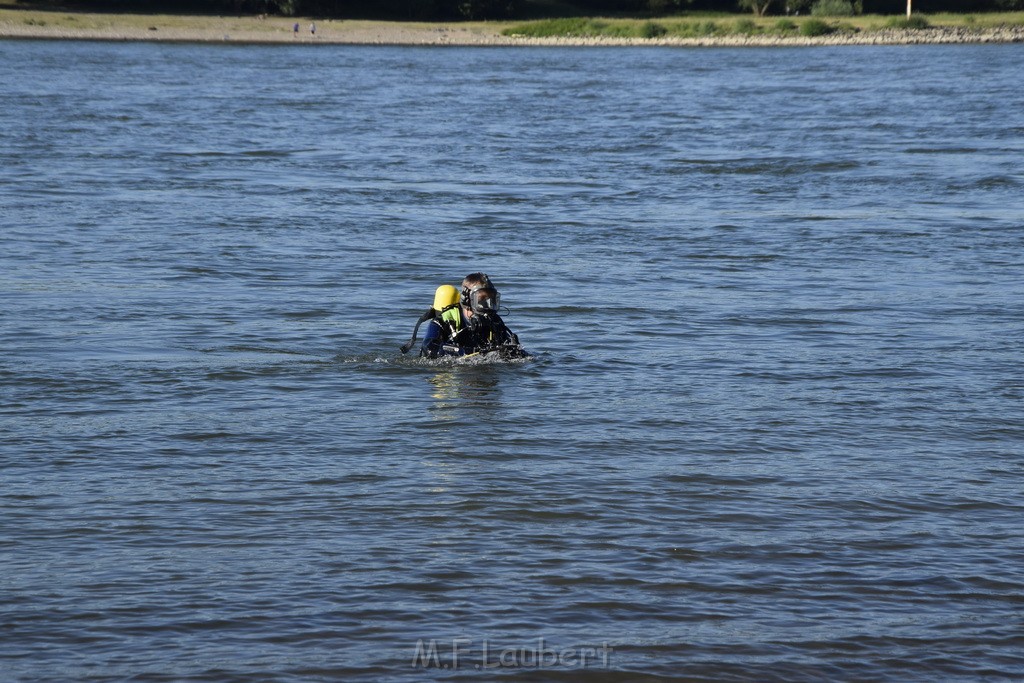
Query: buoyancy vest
{"type": "Point", "coordinates": [450, 320]}
{"type": "Point", "coordinates": [488, 332]}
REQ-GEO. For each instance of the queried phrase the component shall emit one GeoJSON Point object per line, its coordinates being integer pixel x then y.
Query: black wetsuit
{"type": "Point", "coordinates": [478, 333]}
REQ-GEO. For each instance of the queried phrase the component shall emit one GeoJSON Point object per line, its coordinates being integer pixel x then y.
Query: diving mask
{"type": "Point", "coordinates": [484, 300]}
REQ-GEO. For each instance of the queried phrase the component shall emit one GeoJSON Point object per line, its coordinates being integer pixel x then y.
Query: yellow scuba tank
{"type": "Point", "coordinates": [445, 296]}
{"type": "Point", "coordinates": [445, 310]}
{"type": "Point", "coordinates": [446, 306]}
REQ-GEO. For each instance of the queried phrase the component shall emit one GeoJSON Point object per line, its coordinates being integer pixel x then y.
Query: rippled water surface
{"type": "Point", "coordinates": [772, 431]}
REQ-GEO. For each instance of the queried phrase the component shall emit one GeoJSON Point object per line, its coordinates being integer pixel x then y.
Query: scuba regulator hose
{"type": "Point", "coordinates": [446, 297]}
{"type": "Point", "coordinates": [429, 315]}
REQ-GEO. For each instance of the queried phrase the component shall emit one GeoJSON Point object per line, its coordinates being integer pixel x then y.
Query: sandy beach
{"type": "Point", "coordinates": [280, 30]}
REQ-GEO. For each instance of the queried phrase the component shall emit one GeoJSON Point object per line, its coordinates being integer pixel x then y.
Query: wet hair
{"type": "Point", "coordinates": [476, 280]}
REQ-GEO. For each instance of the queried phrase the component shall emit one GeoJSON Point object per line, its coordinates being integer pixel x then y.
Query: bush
{"type": "Point", "coordinates": [914, 22]}
{"type": "Point", "coordinates": [832, 8]}
{"type": "Point", "coordinates": [614, 30]}
{"type": "Point", "coordinates": [785, 26]}
{"type": "Point", "coordinates": [650, 29]}
{"type": "Point", "coordinates": [746, 26]}
{"type": "Point", "coordinates": [548, 28]}
{"type": "Point", "coordinates": [698, 29]}
{"type": "Point", "coordinates": [815, 27]}
{"type": "Point", "coordinates": [706, 28]}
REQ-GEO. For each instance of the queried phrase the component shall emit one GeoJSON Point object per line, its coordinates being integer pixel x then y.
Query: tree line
{"type": "Point", "coordinates": [516, 9]}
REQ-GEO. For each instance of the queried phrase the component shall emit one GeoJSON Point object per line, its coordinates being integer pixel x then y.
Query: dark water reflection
{"type": "Point", "coordinates": [772, 430]}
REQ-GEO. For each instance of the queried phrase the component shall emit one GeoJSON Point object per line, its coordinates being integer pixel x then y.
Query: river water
{"type": "Point", "coordinates": [772, 429]}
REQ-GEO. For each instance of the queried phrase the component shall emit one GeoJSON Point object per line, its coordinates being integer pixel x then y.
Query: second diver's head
{"type": "Point", "coordinates": [479, 296]}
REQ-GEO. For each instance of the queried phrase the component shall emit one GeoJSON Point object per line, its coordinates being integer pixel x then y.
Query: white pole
{"type": "Point", "coordinates": [908, 8]}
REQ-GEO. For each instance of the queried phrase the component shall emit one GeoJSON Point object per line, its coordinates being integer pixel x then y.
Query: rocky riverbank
{"type": "Point", "coordinates": [944, 35]}
{"type": "Point", "coordinates": [284, 31]}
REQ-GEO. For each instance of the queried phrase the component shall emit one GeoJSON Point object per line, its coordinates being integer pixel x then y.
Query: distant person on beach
{"type": "Point", "coordinates": [312, 29]}
{"type": "Point", "coordinates": [295, 30]}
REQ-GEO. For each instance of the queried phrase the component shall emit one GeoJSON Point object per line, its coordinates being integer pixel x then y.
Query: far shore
{"type": "Point", "coordinates": [19, 24]}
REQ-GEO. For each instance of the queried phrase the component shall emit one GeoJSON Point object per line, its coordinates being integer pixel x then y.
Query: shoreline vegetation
{"type": "Point", "coordinates": [698, 29]}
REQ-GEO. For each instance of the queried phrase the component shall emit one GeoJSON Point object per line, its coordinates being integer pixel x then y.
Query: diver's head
{"type": "Point", "coordinates": [479, 296]}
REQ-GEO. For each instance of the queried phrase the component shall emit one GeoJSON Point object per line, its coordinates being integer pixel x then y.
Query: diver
{"type": "Point", "coordinates": [466, 322]}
